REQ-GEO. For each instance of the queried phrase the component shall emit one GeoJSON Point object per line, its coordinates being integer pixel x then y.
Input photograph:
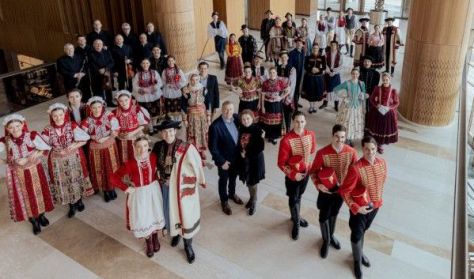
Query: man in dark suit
{"type": "Point", "coordinates": [155, 38]}
{"type": "Point", "coordinates": [143, 50]}
{"type": "Point", "coordinates": [72, 69]}
{"type": "Point", "coordinates": [210, 83]}
{"type": "Point", "coordinates": [370, 76]}
{"type": "Point", "coordinates": [100, 34]}
{"type": "Point", "coordinates": [223, 136]}
{"type": "Point", "coordinates": [129, 38]}
{"type": "Point", "coordinates": [101, 63]}
{"type": "Point", "coordinates": [267, 24]}
{"type": "Point", "coordinates": [122, 55]}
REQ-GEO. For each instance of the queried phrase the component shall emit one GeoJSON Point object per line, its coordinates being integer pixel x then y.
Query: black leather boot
{"type": "Point", "coordinates": [113, 195]}
{"type": "Point", "coordinates": [325, 234]}
{"type": "Point", "coordinates": [107, 196]}
{"type": "Point", "coordinates": [357, 255]}
{"type": "Point", "coordinates": [80, 205]}
{"type": "Point", "coordinates": [175, 240]}
{"type": "Point", "coordinates": [253, 199]}
{"type": "Point", "coordinates": [156, 242]}
{"type": "Point", "coordinates": [188, 248]}
{"type": "Point", "coordinates": [351, 50]}
{"type": "Point", "coordinates": [296, 222]}
{"type": "Point", "coordinates": [303, 222]}
{"type": "Point", "coordinates": [333, 240]}
{"type": "Point", "coordinates": [347, 49]}
{"type": "Point", "coordinates": [336, 105]}
{"type": "Point", "coordinates": [325, 104]}
{"type": "Point", "coordinates": [365, 261]}
{"type": "Point", "coordinates": [392, 69]}
{"type": "Point", "coordinates": [72, 210]}
{"type": "Point", "coordinates": [43, 220]}
{"type": "Point", "coordinates": [36, 225]}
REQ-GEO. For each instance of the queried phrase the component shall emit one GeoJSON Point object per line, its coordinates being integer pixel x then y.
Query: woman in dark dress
{"type": "Point", "coordinates": [313, 82]}
{"type": "Point", "coordinates": [250, 161]}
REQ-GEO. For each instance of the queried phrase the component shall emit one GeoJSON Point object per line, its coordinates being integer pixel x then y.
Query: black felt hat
{"type": "Point", "coordinates": [167, 124]}
{"type": "Point", "coordinates": [364, 19]}
{"type": "Point", "coordinates": [389, 19]}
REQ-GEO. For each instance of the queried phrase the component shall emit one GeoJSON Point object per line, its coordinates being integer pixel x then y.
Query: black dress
{"type": "Point", "coordinates": [313, 84]}
{"type": "Point", "coordinates": [251, 169]}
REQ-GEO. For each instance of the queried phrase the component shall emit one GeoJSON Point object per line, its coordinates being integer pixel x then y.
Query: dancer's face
{"type": "Point", "coordinates": [168, 135]}
{"type": "Point", "coordinates": [58, 116]}
{"type": "Point", "coordinates": [96, 109]}
{"type": "Point", "coordinates": [246, 120]}
{"type": "Point", "coordinates": [369, 150]}
{"type": "Point", "coordinates": [141, 148]}
{"type": "Point", "coordinates": [124, 101]}
{"type": "Point", "coordinates": [74, 98]}
{"type": "Point", "coordinates": [339, 138]}
{"type": "Point", "coordinates": [14, 128]}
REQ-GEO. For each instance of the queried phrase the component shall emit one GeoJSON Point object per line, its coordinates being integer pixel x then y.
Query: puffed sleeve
{"type": "Point", "coordinates": [182, 80]}
{"type": "Point", "coordinates": [79, 134]}
{"type": "Point", "coordinates": [39, 142]}
{"type": "Point", "coordinates": [143, 116]}
{"type": "Point", "coordinates": [116, 177]}
{"type": "Point", "coordinates": [45, 134]}
{"type": "Point", "coordinates": [114, 123]}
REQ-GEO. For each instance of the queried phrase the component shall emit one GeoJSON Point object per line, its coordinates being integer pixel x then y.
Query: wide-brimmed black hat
{"type": "Point", "coordinates": [260, 54]}
{"type": "Point", "coordinates": [364, 19]}
{"type": "Point", "coordinates": [389, 19]}
{"type": "Point", "coordinates": [167, 124]}
{"type": "Point", "coordinates": [283, 52]}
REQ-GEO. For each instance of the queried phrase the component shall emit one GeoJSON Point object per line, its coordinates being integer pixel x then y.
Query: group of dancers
{"type": "Point", "coordinates": [87, 149]}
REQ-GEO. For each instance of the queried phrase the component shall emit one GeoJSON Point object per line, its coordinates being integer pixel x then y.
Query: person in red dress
{"type": "Point", "coordinates": [132, 118]}
{"type": "Point", "coordinates": [234, 68]}
{"type": "Point", "coordinates": [103, 127]}
{"type": "Point", "coordinates": [382, 123]}
{"type": "Point", "coordinates": [67, 163]}
{"type": "Point", "coordinates": [294, 159]}
{"type": "Point", "coordinates": [362, 191]}
{"type": "Point", "coordinates": [27, 177]}
{"type": "Point", "coordinates": [334, 159]}
{"type": "Point", "coordinates": [144, 205]}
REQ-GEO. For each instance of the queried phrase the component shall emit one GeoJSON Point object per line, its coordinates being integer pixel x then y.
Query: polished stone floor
{"type": "Point", "coordinates": [410, 238]}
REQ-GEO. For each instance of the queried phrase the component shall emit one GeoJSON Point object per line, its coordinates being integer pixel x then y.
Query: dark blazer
{"type": "Point", "coordinates": [221, 145]}
{"type": "Point", "coordinates": [156, 39]}
{"type": "Point", "coordinates": [68, 66]}
{"type": "Point", "coordinates": [212, 102]}
{"type": "Point", "coordinates": [103, 35]}
{"type": "Point", "coordinates": [119, 54]}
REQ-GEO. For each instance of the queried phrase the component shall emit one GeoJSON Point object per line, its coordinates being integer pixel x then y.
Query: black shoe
{"type": "Point", "coordinates": [365, 261]}
{"type": "Point", "coordinates": [357, 270]}
{"type": "Point", "coordinates": [325, 234]}
{"type": "Point", "coordinates": [175, 240]}
{"type": "Point", "coordinates": [357, 255]}
{"type": "Point", "coordinates": [113, 195]}
{"type": "Point", "coordinates": [106, 196]}
{"type": "Point", "coordinates": [43, 220]}
{"type": "Point", "coordinates": [273, 141]}
{"type": "Point", "coordinates": [303, 223]}
{"type": "Point", "coordinates": [188, 248]}
{"type": "Point", "coordinates": [252, 209]}
{"type": "Point", "coordinates": [36, 225]}
{"type": "Point", "coordinates": [79, 205]}
{"type": "Point", "coordinates": [325, 104]}
{"type": "Point", "coordinates": [300, 106]}
{"type": "Point", "coordinates": [72, 210]}
{"type": "Point", "coordinates": [226, 208]}
{"type": "Point", "coordinates": [295, 232]}
{"type": "Point", "coordinates": [236, 199]}
{"type": "Point", "coordinates": [247, 205]}
{"type": "Point", "coordinates": [149, 247]}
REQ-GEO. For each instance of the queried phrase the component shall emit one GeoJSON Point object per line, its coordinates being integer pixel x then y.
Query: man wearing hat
{"type": "Point", "coordinates": [329, 169]}
{"type": "Point", "coordinates": [180, 174]}
{"type": "Point", "coordinates": [218, 31]}
{"type": "Point", "coordinates": [286, 70]}
{"type": "Point", "coordinates": [248, 44]}
{"type": "Point", "coordinates": [391, 35]}
{"type": "Point", "coordinates": [289, 32]}
{"type": "Point", "coordinates": [258, 70]}
{"type": "Point", "coordinates": [370, 77]}
{"type": "Point", "coordinates": [361, 40]}
{"type": "Point", "coordinates": [267, 24]}
{"type": "Point", "coordinates": [350, 30]}
{"type": "Point", "coordinates": [296, 57]}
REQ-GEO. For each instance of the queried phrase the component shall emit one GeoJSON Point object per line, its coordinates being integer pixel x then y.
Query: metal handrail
{"type": "Point", "coordinates": [459, 253]}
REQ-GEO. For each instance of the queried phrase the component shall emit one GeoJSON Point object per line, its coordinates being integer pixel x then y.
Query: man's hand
{"type": "Point", "coordinates": [323, 189]}
{"type": "Point", "coordinates": [364, 210]}
{"type": "Point", "coordinates": [299, 176]}
{"type": "Point", "coordinates": [226, 165]}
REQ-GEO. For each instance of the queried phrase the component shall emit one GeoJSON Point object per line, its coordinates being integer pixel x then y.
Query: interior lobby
{"type": "Point", "coordinates": [425, 228]}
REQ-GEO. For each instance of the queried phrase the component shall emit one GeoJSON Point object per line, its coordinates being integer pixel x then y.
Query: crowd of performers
{"type": "Point", "coordinates": [86, 149]}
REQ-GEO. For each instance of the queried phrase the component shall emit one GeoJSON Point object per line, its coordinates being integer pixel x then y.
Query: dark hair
{"type": "Point", "coordinates": [140, 138]}
{"type": "Point", "coordinates": [203, 63]}
{"type": "Point", "coordinates": [74, 90]}
{"type": "Point", "coordinates": [247, 67]}
{"type": "Point", "coordinates": [338, 128]}
{"type": "Point", "coordinates": [80, 35]}
{"type": "Point", "coordinates": [368, 139]}
{"type": "Point", "coordinates": [296, 114]}
{"type": "Point", "coordinates": [272, 68]}
{"type": "Point", "coordinates": [328, 9]}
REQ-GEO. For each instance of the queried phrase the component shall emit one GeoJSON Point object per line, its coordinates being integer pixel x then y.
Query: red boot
{"type": "Point", "coordinates": [149, 247]}
{"type": "Point", "coordinates": [156, 242]}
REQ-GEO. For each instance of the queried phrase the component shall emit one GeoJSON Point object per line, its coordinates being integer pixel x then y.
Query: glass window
{"type": "Point", "coordinates": [354, 4]}
{"type": "Point", "coordinates": [394, 7]}
{"type": "Point", "coordinates": [335, 5]}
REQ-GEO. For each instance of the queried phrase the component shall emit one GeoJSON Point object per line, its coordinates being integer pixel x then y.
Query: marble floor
{"type": "Point", "coordinates": [410, 238]}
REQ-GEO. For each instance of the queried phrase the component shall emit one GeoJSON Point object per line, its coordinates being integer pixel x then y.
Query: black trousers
{"type": "Point", "coordinates": [359, 223]}
{"type": "Point", "coordinates": [294, 190]}
{"type": "Point", "coordinates": [219, 44]}
{"type": "Point", "coordinates": [287, 113]}
{"type": "Point", "coordinates": [227, 178]}
{"type": "Point", "coordinates": [328, 205]}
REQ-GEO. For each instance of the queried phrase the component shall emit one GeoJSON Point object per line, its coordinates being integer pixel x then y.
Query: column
{"type": "Point", "coordinates": [435, 50]}
{"type": "Point", "coordinates": [176, 21]}
{"type": "Point", "coordinates": [232, 13]}
{"type": "Point", "coordinates": [257, 9]}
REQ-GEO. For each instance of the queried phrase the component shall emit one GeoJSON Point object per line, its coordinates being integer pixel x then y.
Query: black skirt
{"type": "Point", "coordinates": [251, 169]}
{"type": "Point", "coordinates": [313, 87]}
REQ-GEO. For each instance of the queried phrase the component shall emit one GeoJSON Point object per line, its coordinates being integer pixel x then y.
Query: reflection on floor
{"type": "Point", "coordinates": [410, 238]}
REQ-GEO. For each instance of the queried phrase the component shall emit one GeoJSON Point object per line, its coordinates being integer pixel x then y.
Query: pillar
{"type": "Point", "coordinates": [306, 7]}
{"type": "Point", "coordinates": [232, 13]}
{"type": "Point", "coordinates": [176, 21]}
{"type": "Point", "coordinates": [257, 9]}
{"type": "Point", "coordinates": [436, 46]}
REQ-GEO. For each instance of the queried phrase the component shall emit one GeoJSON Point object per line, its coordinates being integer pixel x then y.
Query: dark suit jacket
{"type": "Point", "coordinates": [212, 102]}
{"type": "Point", "coordinates": [221, 145]}
{"type": "Point", "coordinates": [68, 66]}
{"type": "Point", "coordinates": [119, 54]}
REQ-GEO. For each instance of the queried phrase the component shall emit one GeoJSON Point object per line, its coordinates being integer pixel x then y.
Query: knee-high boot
{"type": "Point", "coordinates": [336, 105]}
{"type": "Point", "coordinates": [325, 234]}
{"type": "Point", "coordinates": [357, 255]}
{"type": "Point", "coordinates": [351, 50]}
{"type": "Point", "coordinates": [365, 261]}
{"type": "Point", "coordinates": [253, 199]}
{"type": "Point", "coordinates": [333, 240]}
{"type": "Point", "coordinates": [296, 222]}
